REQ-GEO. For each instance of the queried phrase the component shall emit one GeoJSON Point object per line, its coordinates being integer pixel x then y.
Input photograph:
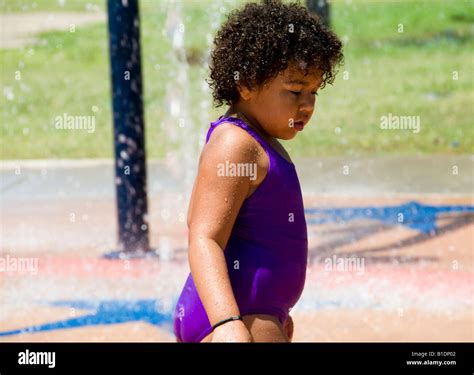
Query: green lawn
{"type": "Point", "coordinates": [408, 73]}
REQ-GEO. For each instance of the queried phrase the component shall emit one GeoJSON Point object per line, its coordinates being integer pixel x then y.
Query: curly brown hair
{"type": "Point", "coordinates": [259, 41]}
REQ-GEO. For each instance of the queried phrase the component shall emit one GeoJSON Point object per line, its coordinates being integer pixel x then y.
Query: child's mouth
{"type": "Point", "coordinates": [299, 125]}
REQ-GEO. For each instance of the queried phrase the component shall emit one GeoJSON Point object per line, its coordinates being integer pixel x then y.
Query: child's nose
{"type": "Point", "coordinates": [307, 104]}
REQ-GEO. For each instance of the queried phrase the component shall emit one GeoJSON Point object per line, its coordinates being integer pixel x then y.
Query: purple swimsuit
{"type": "Point", "coordinates": [266, 253]}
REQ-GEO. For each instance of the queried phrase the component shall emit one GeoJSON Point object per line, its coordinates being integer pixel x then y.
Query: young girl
{"type": "Point", "coordinates": [247, 231]}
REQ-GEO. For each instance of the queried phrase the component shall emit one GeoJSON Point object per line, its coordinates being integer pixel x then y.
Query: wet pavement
{"type": "Point", "coordinates": [389, 175]}
{"type": "Point", "coordinates": [391, 252]}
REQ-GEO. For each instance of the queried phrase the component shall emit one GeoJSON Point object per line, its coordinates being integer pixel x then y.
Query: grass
{"type": "Point", "coordinates": [10, 6]}
{"type": "Point", "coordinates": [403, 73]}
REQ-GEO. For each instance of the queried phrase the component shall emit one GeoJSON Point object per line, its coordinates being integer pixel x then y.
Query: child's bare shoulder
{"type": "Point", "coordinates": [230, 141]}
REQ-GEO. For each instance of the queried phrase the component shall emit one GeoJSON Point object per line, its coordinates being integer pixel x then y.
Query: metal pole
{"type": "Point", "coordinates": [129, 138]}
{"type": "Point", "coordinates": [321, 9]}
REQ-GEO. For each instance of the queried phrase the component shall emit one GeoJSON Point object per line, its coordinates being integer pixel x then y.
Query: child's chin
{"type": "Point", "coordinates": [289, 136]}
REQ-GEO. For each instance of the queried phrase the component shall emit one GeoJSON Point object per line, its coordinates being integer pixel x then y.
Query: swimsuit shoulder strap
{"type": "Point", "coordinates": [241, 124]}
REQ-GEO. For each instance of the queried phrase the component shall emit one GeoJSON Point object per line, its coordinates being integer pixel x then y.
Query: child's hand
{"type": "Point", "coordinates": [235, 331]}
{"type": "Point", "coordinates": [289, 328]}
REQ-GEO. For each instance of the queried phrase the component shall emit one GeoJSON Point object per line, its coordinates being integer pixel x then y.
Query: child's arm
{"type": "Point", "coordinates": [216, 203]}
{"type": "Point", "coordinates": [289, 328]}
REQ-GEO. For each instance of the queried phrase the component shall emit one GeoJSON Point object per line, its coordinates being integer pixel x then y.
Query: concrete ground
{"type": "Point", "coordinates": [391, 252]}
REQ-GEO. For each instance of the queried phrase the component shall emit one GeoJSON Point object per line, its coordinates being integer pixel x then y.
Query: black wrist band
{"type": "Point", "coordinates": [232, 318]}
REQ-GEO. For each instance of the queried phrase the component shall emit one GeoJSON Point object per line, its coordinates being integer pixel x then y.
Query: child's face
{"type": "Point", "coordinates": [285, 105]}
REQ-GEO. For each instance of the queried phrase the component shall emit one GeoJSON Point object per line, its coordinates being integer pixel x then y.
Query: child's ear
{"type": "Point", "coordinates": [245, 92]}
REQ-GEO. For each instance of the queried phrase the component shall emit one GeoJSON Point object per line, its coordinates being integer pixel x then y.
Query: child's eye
{"type": "Point", "coordinates": [299, 92]}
